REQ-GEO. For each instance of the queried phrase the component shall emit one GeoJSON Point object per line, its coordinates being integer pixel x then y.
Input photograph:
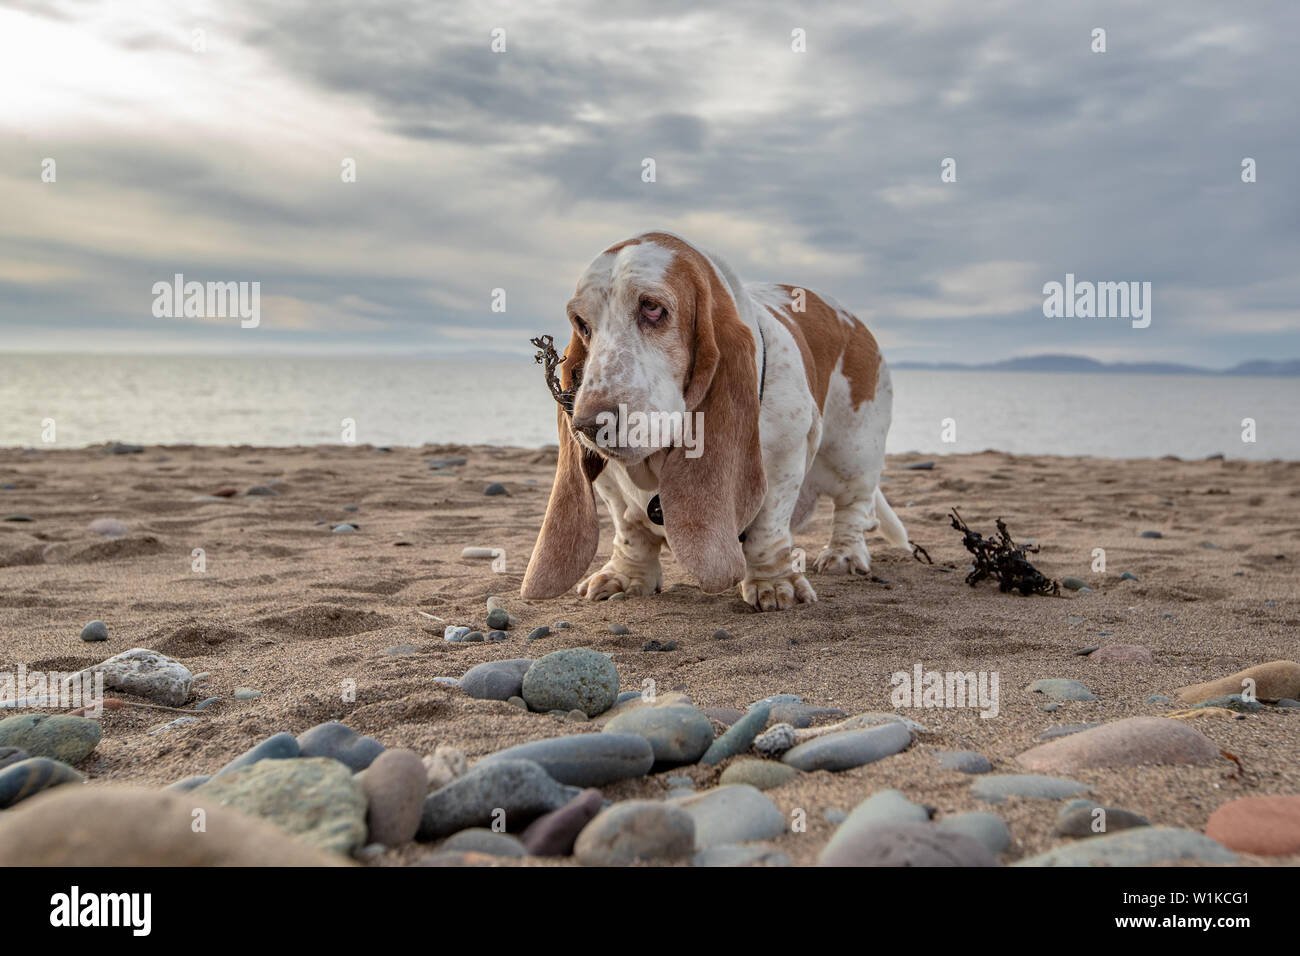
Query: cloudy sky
{"type": "Point", "coordinates": [478, 170]}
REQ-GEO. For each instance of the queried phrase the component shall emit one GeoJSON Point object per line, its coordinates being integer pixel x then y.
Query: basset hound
{"type": "Point", "coordinates": [775, 396]}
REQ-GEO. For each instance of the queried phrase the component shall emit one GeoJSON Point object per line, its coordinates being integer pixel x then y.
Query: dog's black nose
{"type": "Point", "coordinates": [591, 426]}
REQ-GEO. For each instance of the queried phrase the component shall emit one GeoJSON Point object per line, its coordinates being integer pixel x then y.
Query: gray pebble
{"type": "Point", "coordinates": [95, 631]}
{"type": "Point", "coordinates": [583, 760]}
{"type": "Point", "coordinates": [965, 761]}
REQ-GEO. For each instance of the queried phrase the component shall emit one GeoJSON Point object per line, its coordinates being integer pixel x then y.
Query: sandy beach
{"type": "Point", "coordinates": [293, 610]}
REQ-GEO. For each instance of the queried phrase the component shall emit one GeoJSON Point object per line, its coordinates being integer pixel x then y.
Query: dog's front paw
{"type": "Point", "coordinates": [844, 560]}
{"type": "Point", "coordinates": [777, 592]}
{"type": "Point", "coordinates": [609, 581]}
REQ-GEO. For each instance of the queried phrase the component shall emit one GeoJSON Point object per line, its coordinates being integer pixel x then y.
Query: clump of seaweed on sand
{"type": "Point", "coordinates": [551, 360]}
{"type": "Point", "coordinates": [1003, 560]}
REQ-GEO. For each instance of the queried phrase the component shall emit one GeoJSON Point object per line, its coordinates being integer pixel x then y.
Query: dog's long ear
{"type": "Point", "coordinates": [569, 534]}
{"type": "Point", "coordinates": [710, 499]}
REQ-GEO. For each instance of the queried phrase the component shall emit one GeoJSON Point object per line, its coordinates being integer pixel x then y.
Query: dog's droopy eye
{"type": "Point", "coordinates": [583, 329]}
{"type": "Point", "coordinates": [651, 311]}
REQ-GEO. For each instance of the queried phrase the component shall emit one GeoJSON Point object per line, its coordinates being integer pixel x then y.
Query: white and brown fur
{"type": "Point", "coordinates": [819, 430]}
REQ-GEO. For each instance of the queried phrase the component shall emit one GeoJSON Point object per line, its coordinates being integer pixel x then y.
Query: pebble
{"type": "Point", "coordinates": [775, 741]}
{"type": "Point", "coordinates": [483, 840]}
{"type": "Point", "coordinates": [1288, 702]}
{"type": "Point", "coordinates": [635, 831]}
{"type": "Point", "coordinates": [1233, 702]}
{"type": "Point", "coordinates": [1272, 680]}
{"type": "Point", "coordinates": [1150, 534]}
{"type": "Point", "coordinates": [496, 637]}
{"type": "Point", "coordinates": [801, 715]}
{"type": "Point", "coordinates": [988, 828]}
{"type": "Point", "coordinates": [1130, 742]}
{"type": "Point", "coordinates": [496, 488]}
{"type": "Point", "coordinates": [447, 681]}
{"type": "Point", "coordinates": [739, 736]}
{"type": "Point", "coordinates": [760, 774]}
{"type": "Point", "coordinates": [444, 765]}
{"type": "Point", "coordinates": [473, 637]}
{"type": "Point", "coordinates": [261, 491]}
{"type": "Point", "coordinates": [19, 518]}
{"type": "Point", "coordinates": [573, 678]}
{"type": "Point", "coordinates": [1060, 688]}
{"type": "Point", "coordinates": [114, 826]}
{"type": "Point", "coordinates": [1126, 576]}
{"type": "Point", "coordinates": [905, 844]}
{"type": "Point", "coordinates": [1073, 584]}
{"type": "Point", "coordinates": [173, 724]}
{"type": "Point", "coordinates": [619, 629]}
{"type": "Point", "coordinates": [553, 834]}
{"type": "Point", "coordinates": [314, 798]}
{"type": "Point", "coordinates": [659, 646]}
{"type": "Point", "coordinates": [439, 463]}
{"type": "Point", "coordinates": [344, 528]}
{"type": "Point", "coordinates": [339, 742]}
{"type": "Point", "coordinates": [918, 466]}
{"type": "Point", "coordinates": [677, 734]}
{"type": "Point", "coordinates": [539, 632]}
{"type": "Point", "coordinates": [1078, 821]}
{"type": "Point", "coordinates": [24, 778]}
{"type": "Point", "coordinates": [519, 788]}
{"type": "Point", "coordinates": [498, 619]}
{"type": "Point", "coordinates": [1266, 825]}
{"type": "Point", "coordinates": [721, 635]}
{"type": "Point", "coordinates": [1141, 846]}
{"type": "Point", "coordinates": [851, 748]}
{"type": "Point", "coordinates": [281, 746]}
{"type": "Point", "coordinates": [94, 631]}
{"type": "Point", "coordinates": [146, 674]}
{"type": "Point", "coordinates": [561, 625]}
{"type": "Point", "coordinates": [108, 527]}
{"type": "Point", "coordinates": [395, 786]}
{"type": "Point", "coordinates": [453, 632]}
{"type": "Point", "coordinates": [10, 755]}
{"type": "Point", "coordinates": [247, 693]}
{"type": "Point", "coordinates": [584, 760]}
{"type": "Point", "coordinates": [735, 813]}
{"type": "Point", "coordinates": [884, 807]}
{"type": "Point", "coordinates": [496, 680]}
{"type": "Point", "coordinates": [758, 854]}
{"type": "Point", "coordinates": [835, 816]}
{"type": "Point", "coordinates": [60, 736]}
{"type": "Point", "coordinates": [1123, 654]}
{"type": "Point", "coordinates": [964, 761]}
{"type": "Point", "coordinates": [996, 787]}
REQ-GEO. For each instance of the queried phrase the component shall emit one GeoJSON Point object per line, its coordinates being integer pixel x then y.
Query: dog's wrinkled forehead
{"type": "Point", "coordinates": [637, 266]}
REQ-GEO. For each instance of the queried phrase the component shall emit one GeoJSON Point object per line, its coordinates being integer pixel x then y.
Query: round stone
{"type": "Point", "coordinates": [60, 736]}
{"type": "Point", "coordinates": [1266, 826]}
{"type": "Point", "coordinates": [1131, 742]}
{"type": "Point", "coordinates": [906, 844]}
{"type": "Point", "coordinates": [496, 680]}
{"type": "Point", "coordinates": [395, 786]}
{"type": "Point", "coordinates": [761, 774]}
{"type": "Point", "coordinates": [677, 734]}
{"type": "Point", "coordinates": [94, 631]}
{"type": "Point", "coordinates": [576, 678]}
{"type": "Point", "coordinates": [636, 831]}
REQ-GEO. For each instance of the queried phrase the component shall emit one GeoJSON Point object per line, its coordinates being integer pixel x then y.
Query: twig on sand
{"type": "Point", "coordinates": [432, 617]}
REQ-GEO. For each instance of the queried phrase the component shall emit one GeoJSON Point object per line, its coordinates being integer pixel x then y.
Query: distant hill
{"type": "Point", "coordinates": [1077, 363]}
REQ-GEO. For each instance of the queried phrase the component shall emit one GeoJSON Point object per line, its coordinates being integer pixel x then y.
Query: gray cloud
{"type": "Point", "coordinates": [479, 170]}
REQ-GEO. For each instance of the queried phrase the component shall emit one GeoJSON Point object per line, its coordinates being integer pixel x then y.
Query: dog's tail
{"type": "Point", "coordinates": [890, 526]}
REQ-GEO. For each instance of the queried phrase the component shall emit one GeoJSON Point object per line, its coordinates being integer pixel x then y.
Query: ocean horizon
{"type": "Point", "coordinates": [300, 400]}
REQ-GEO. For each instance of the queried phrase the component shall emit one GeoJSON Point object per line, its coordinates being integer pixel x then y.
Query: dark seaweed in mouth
{"type": "Point", "coordinates": [1003, 560]}
{"type": "Point", "coordinates": [551, 360]}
